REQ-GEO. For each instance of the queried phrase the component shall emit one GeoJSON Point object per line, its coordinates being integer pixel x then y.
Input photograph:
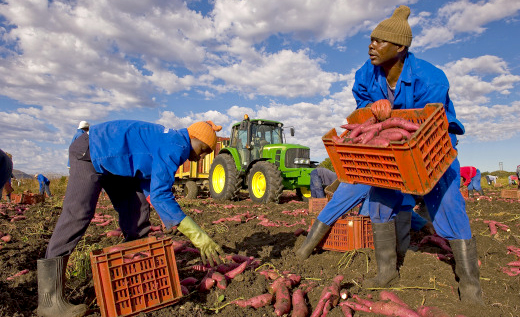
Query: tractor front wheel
{"type": "Point", "coordinates": [224, 182]}
{"type": "Point", "coordinates": [265, 183]}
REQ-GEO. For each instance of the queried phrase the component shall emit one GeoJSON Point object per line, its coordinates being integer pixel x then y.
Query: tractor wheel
{"type": "Point", "coordinates": [224, 181]}
{"type": "Point", "coordinates": [191, 190]}
{"type": "Point", "coordinates": [265, 183]}
{"type": "Point", "coordinates": [303, 193]}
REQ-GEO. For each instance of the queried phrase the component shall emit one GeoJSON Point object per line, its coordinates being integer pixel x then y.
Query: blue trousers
{"type": "Point", "coordinates": [446, 206]}
{"type": "Point", "coordinates": [348, 196]}
{"type": "Point", "coordinates": [475, 182]}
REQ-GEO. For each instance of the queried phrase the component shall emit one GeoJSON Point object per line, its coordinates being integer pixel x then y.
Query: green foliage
{"type": "Point", "coordinates": [327, 164]}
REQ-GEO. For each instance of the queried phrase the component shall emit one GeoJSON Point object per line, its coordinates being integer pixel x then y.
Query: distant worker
{"type": "Point", "coordinates": [6, 169]}
{"type": "Point", "coordinates": [512, 180]}
{"type": "Point", "coordinates": [471, 176]}
{"type": "Point", "coordinates": [518, 175]}
{"type": "Point", "coordinates": [491, 179]}
{"type": "Point", "coordinates": [83, 127]}
{"type": "Point", "coordinates": [320, 178]}
{"type": "Point", "coordinates": [136, 160]}
{"type": "Point", "coordinates": [44, 184]}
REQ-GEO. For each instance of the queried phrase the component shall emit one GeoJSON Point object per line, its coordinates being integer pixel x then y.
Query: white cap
{"type": "Point", "coordinates": [83, 124]}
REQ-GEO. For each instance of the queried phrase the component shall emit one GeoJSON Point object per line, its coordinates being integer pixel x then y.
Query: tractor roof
{"type": "Point", "coordinates": [270, 122]}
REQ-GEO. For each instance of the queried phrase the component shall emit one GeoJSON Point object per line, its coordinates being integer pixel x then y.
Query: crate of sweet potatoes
{"type": "Point", "coordinates": [413, 163]}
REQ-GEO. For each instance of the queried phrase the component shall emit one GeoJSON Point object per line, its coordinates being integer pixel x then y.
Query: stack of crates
{"type": "Point", "coordinates": [316, 205]}
{"type": "Point", "coordinates": [135, 277]}
{"type": "Point", "coordinates": [27, 198]}
{"type": "Point", "coordinates": [510, 193]}
{"type": "Point", "coordinates": [349, 233]}
{"type": "Point", "coordinates": [412, 166]}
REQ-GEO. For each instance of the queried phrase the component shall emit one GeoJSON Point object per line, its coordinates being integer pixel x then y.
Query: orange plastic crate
{"type": "Point", "coordinates": [510, 193]}
{"type": "Point", "coordinates": [27, 198]}
{"type": "Point", "coordinates": [126, 287]}
{"type": "Point", "coordinates": [464, 192]}
{"type": "Point", "coordinates": [412, 166]}
{"type": "Point", "coordinates": [316, 205]}
{"type": "Point", "coordinates": [349, 233]}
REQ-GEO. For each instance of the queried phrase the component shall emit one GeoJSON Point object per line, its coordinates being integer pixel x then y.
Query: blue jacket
{"type": "Point", "coordinates": [42, 180]}
{"type": "Point", "coordinates": [147, 151]}
{"type": "Point", "coordinates": [419, 83]}
{"type": "Point", "coordinates": [78, 133]}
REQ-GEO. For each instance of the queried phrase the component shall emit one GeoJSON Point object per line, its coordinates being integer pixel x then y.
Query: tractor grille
{"type": "Point", "coordinates": [291, 154]}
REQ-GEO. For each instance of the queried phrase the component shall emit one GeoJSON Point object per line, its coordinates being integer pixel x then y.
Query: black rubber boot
{"type": "Point", "coordinates": [318, 231]}
{"type": "Point", "coordinates": [403, 224]}
{"type": "Point", "coordinates": [466, 269]}
{"type": "Point", "coordinates": [481, 192]}
{"type": "Point", "coordinates": [51, 281]}
{"type": "Point", "coordinates": [386, 255]}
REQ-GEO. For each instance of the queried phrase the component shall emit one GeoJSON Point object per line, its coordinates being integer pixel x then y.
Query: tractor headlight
{"type": "Point", "coordinates": [299, 160]}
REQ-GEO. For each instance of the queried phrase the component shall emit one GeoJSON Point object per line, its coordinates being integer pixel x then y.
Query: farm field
{"type": "Point", "coordinates": [267, 233]}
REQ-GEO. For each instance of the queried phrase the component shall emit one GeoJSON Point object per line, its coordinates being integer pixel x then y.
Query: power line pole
{"type": "Point", "coordinates": [501, 166]}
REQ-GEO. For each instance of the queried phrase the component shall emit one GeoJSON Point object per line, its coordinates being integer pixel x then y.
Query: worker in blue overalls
{"type": "Point", "coordinates": [130, 160]}
{"type": "Point", "coordinates": [395, 74]}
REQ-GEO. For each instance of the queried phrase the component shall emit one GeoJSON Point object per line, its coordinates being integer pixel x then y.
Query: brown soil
{"type": "Point", "coordinates": [425, 280]}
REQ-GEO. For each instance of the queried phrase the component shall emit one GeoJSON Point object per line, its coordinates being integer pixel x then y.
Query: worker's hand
{"type": "Point", "coordinates": [209, 250]}
{"type": "Point", "coordinates": [381, 109]}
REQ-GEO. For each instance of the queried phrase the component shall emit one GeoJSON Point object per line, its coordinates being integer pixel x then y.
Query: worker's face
{"type": "Point", "coordinates": [199, 150]}
{"type": "Point", "coordinates": [383, 52]}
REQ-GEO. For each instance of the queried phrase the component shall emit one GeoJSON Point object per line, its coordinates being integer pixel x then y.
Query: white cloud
{"type": "Point", "coordinates": [461, 17]}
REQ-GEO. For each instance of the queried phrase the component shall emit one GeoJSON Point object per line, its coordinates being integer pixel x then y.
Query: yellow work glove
{"type": "Point", "coordinates": [209, 250]}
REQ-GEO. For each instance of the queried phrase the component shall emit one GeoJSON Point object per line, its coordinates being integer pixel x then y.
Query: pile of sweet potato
{"type": "Point", "coordinates": [378, 130]}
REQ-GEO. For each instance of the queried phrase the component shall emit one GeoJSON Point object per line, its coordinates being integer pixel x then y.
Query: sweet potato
{"type": "Point", "coordinates": [350, 126]}
{"type": "Point", "coordinates": [381, 109]}
{"type": "Point", "coordinates": [6, 238]}
{"type": "Point", "coordinates": [206, 284]}
{"type": "Point", "coordinates": [436, 240]}
{"type": "Point", "coordinates": [387, 308]}
{"type": "Point", "coordinates": [347, 311]}
{"type": "Point", "coordinates": [226, 267]}
{"type": "Point", "coordinates": [189, 281]}
{"type": "Point", "coordinates": [427, 311]}
{"type": "Point", "coordinates": [237, 258]}
{"type": "Point", "coordinates": [355, 306]}
{"type": "Point", "coordinates": [22, 272]}
{"type": "Point", "coordinates": [220, 279]}
{"type": "Point", "coordinates": [357, 131]}
{"type": "Point", "coordinates": [184, 290]}
{"type": "Point", "coordinates": [282, 303]}
{"type": "Point", "coordinates": [299, 306]}
{"type": "Point", "coordinates": [391, 296]}
{"type": "Point", "coordinates": [233, 273]}
{"type": "Point", "coordinates": [400, 123]}
{"type": "Point", "coordinates": [255, 302]}
{"type": "Point", "coordinates": [324, 297]}
{"type": "Point", "coordinates": [379, 141]}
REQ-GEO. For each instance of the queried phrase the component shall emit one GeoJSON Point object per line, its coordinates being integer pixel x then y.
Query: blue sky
{"type": "Point", "coordinates": [176, 62]}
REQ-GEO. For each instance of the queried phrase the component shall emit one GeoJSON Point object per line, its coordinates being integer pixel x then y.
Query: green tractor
{"type": "Point", "coordinates": [257, 158]}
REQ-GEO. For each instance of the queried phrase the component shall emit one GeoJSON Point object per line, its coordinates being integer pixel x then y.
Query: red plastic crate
{"type": "Point", "coordinates": [464, 192]}
{"type": "Point", "coordinates": [126, 286]}
{"type": "Point", "coordinates": [413, 166]}
{"type": "Point", "coordinates": [316, 205]}
{"type": "Point", "coordinates": [349, 233]}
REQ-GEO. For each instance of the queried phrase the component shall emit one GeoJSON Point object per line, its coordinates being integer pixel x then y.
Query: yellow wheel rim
{"type": "Point", "coordinates": [258, 184]}
{"type": "Point", "coordinates": [218, 179]}
{"type": "Point", "coordinates": [305, 192]}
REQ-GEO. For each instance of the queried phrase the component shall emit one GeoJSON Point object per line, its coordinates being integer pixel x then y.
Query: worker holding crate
{"type": "Point", "coordinates": [395, 74]}
{"type": "Point", "coordinates": [130, 160]}
{"type": "Point", "coordinates": [471, 176]}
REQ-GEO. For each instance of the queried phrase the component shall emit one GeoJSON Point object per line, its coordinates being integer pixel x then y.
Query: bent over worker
{"type": "Point", "coordinates": [395, 74]}
{"type": "Point", "coordinates": [44, 184]}
{"type": "Point", "coordinates": [130, 160]}
{"type": "Point", "coordinates": [471, 176]}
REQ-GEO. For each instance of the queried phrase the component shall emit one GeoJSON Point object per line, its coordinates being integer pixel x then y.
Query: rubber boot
{"type": "Point", "coordinates": [386, 255]}
{"type": "Point", "coordinates": [403, 224]}
{"type": "Point", "coordinates": [51, 282]}
{"type": "Point", "coordinates": [466, 269]}
{"type": "Point", "coordinates": [317, 232]}
{"type": "Point", "coordinates": [481, 192]}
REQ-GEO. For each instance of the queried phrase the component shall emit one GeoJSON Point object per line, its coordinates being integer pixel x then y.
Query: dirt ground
{"type": "Point", "coordinates": [425, 280]}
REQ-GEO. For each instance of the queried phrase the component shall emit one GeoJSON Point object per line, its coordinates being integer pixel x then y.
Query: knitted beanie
{"type": "Point", "coordinates": [396, 28]}
{"type": "Point", "coordinates": [205, 132]}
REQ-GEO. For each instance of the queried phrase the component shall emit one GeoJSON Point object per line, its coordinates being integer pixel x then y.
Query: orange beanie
{"type": "Point", "coordinates": [205, 132]}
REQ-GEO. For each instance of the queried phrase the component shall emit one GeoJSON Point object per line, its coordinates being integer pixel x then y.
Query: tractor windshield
{"type": "Point", "coordinates": [266, 134]}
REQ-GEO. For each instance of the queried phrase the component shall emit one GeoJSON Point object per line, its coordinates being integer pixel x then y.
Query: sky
{"type": "Point", "coordinates": [176, 62]}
